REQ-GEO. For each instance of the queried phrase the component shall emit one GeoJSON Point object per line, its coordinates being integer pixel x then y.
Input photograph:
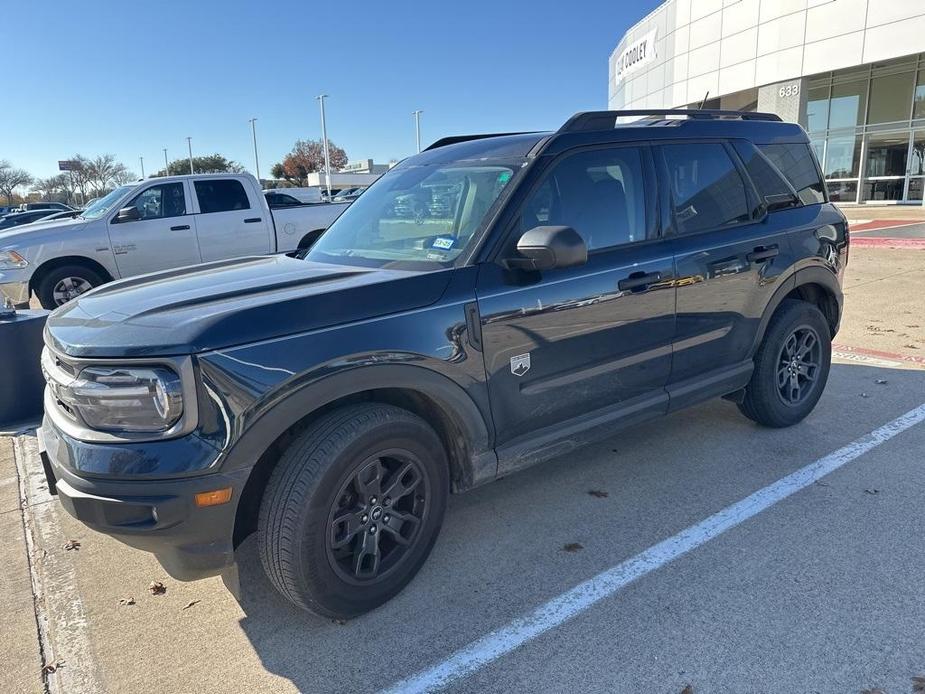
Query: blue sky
{"type": "Point", "coordinates": [131, 78]}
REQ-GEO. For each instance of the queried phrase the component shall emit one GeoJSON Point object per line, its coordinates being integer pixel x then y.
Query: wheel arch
{"type": "Point", "coordinates": [814, 285]}
{"type": "Point", "coordinates": [435, 398]}
{"type": "Point", "coordinates": [42, 270]}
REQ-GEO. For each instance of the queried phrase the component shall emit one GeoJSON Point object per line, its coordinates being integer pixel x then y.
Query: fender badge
{"type": "Point", "coordinates": [520, 364]}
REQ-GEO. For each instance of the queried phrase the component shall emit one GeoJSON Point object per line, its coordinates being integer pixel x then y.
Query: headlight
{"type": "Point", "coordinates": [126, 399]}
{"type": "Point", "coordinates": [11, 260]}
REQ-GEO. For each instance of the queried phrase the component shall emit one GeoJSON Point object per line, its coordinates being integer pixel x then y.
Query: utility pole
{"type": "Point", "coordinates": [417, 127]}
{"type": "Point", "coordinates": [166, 164]}
{"type": "Point", "coordinates": [324, 138]}
{"type": "Point", "coordinates": [256, 161]}
{"type": "Point", "coordinates": [189, 145]}
{"type": "Point", "coordinates": [142, 160]}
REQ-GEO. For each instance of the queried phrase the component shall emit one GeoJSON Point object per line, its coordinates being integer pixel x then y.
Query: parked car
{"type": "Point", "coordinates": [304, 194]}
{"type": "Point", "coordinates": [592, 278]}
{"type": "Point", "coordinates": [53, 206]}
{"type": "Point", "coordinates": [348, 195]}
{"type": "Point", "coordinates": [16, 219]}
{"type": "Point", "coordinates": [155, 224]}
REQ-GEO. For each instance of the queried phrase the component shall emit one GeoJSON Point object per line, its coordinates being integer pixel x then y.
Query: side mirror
{"type": "Point", "coordinates": [128, 214]}
{"type": "Point", "coordinates": [546, 248]}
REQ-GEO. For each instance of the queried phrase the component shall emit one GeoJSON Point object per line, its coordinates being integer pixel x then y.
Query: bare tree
{"type": "Point", "coordinates": [57, 187]}
{"type": "Point", "coordinates": [11, 178]}
{"type": "Point", "coordinates": [101, 172]}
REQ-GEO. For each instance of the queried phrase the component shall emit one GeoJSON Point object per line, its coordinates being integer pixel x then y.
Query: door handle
{"type": "Point", "coordinates": [251, 220]}
{"type": "Point", "coordinates": [638, 280]}
{"type": "Point", "coordinates": [181, 227]}
{"type": "Point", "coordinates": [762, 253]}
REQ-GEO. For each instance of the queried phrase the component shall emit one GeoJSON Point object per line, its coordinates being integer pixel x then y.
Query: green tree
{"type": "Point", "coordinates": [212, 163]}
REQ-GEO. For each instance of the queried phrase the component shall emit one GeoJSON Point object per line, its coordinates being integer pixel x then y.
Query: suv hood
{"type": "Point", "coordinates": [231, 302]}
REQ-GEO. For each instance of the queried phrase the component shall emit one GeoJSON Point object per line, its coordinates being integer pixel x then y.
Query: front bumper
{"type": "Point", "coordinates": [18, 292]}
{"type": "Point", "coordinates": [155, 515]}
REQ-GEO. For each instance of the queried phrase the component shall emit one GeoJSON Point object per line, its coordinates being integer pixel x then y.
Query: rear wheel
{"type": "Point", "coordinates": [791, 366]}
{"type": "Point", "coordinates": [64, 283]}
{"type": "Point", "coordinates": [353, 509]}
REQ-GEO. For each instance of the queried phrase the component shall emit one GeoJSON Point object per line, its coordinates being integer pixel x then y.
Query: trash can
{"type": "Point", "coordinates": [21, 382]}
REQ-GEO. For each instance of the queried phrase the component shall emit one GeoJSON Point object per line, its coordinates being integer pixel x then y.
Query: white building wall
{"type": "Point", "coordinates": [724, 46]}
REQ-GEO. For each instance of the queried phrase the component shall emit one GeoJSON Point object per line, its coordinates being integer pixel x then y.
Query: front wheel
{"type": "Point", "coordinates": [791, 366]}
{"type": "Point", "coordinates": [64, 283]}
{"type": "Point", "coordinates": [353, 508]}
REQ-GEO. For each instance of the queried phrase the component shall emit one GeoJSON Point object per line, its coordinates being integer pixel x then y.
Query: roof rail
{"type": "Point", "coordinates": [455, 139]}
{"type": "Point", "coordinates": [606, 120]}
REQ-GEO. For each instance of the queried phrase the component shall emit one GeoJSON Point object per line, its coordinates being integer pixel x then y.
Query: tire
{"type": "Point", "coordinates": [53, 288]}
{"type": "Point", "coordinates": [772, 397]}
{"type": "Point", "coordinates": [322, 563]}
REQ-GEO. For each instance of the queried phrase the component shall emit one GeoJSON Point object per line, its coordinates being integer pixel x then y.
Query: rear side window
{"type": "Point", "coordinates": [221, 196]}
{"type": "Point", "coordinates": [706, 188]}
{"type": "Point", "coordinates": [768, 180]}
{"type": "Point", "coordinates": [796, 162]}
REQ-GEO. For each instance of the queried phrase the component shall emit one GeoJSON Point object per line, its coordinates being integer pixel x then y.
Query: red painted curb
{"type": "Point", "coordinates": [877, 353]}
{"type": "Point", "coordinates": [887, 242]}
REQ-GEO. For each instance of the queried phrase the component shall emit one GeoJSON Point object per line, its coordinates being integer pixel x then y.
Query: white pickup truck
{"type": "Point", "coordinates": [154, 224]}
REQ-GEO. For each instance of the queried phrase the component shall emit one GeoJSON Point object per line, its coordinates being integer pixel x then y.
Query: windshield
{"type": "Point", "coordinates": [105, 203]}
{"type": "Point", "coordinates": [416, 216]}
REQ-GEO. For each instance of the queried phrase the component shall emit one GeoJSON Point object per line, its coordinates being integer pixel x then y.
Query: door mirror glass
{"type": "Point", "coordinates": [549, 247]}
{"type": "Point", "coordinates": [128, 214]}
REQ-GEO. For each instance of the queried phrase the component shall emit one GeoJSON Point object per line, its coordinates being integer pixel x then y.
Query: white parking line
{"type": "Point", "coordinates": [559, 610]}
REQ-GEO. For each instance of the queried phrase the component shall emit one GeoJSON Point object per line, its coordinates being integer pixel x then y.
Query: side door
{"type": "Point", "coordinates": [729, 254]}
{"type": "Point", "coordinates": [229, 223]}
{"type": "Point", "coordinates": [162, 237]}
{"type": "Point", "coordinates": [576, 346]}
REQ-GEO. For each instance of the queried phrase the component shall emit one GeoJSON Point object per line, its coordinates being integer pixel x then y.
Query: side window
{"type": "Point", "coordinates": [796, 162]}
{"type": "Point", "coordinates": [768, 180]}
{"type": "Point", "coordinates": [157, 202]}
{"type": "Point", "coordinates": [707, 190]}
{"type": "Point", "coordinates": [221, 195]}
{"type": "Point", "coordinates": [599, 193]}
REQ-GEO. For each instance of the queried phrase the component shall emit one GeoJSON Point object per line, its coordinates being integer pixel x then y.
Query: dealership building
{"type": "Point", "coordinates": [852, 72]}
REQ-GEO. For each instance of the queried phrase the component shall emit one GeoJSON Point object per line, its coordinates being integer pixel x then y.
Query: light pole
{"type": "Point", "coordinates": [324, 138]}
{"type": "Point", "coordinates": [142, 160]}
{"type": "Point", "coordinates": [189, 145]}
{"type": "Point", "coordinates": [417, 127]}
{"type": "Point", "coordinates": [166, 164]}
{"type": "Point", "coordinates": [256, 161]}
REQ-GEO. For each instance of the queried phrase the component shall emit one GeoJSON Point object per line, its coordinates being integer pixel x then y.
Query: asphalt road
{"type": "Point", "coordinates": [823, 591]}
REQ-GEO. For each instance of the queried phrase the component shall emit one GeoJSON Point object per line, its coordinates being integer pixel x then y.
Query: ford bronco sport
{"type": "Point", "coordinates": [494, 301]}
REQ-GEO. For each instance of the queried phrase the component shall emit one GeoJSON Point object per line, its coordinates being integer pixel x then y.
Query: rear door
{"type": "Point", "coordinates": [729, 254]}
{"type": "Point", "coordinates": [229, 222]}
{"type": "Point", "coordinates": [164, 235]}
{"type": "Point", "coordinates": [571, 346]}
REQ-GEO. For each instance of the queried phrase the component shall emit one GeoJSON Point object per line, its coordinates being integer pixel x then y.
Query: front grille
{"type": "Point", "coordinates": [58, 374]}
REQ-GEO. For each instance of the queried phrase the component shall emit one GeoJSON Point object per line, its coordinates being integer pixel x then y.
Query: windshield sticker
{"type": "Point", "coordinates": [504, 177]}
{"type": "Point", "coordinates": [444, 243]}
{"type": "Point", "coordinates": [436, 256]}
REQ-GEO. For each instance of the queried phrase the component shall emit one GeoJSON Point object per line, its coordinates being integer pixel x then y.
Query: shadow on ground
{"type": "Point", "coordinates": [500, 552]}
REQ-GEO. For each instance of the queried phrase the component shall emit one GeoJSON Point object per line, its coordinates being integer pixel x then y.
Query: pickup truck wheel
{"type": "Point", "coordinates": [791, 367]}
{"type": "Point", "coordinates": [352, 509]}
{"type": "Point", "coordinates": [64, 283]}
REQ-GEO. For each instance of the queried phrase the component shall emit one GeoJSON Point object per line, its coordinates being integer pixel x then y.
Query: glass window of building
{"type": "Point", "coordinates": [842, 156]}
{"type": "Point", "coordinates": [886, 154]}
{"type": "Point", "coordinates": [817, 109]}
{"type": "Point", "coordinates": [890, 97]}
{"type": "Point", "coordinates": [847, 106]}
{"type": "Point", "coordinates": [918, 109]}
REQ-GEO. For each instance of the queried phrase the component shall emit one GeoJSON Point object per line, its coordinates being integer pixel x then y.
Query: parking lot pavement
{"type": "Point", "coordinates": [823, 591]}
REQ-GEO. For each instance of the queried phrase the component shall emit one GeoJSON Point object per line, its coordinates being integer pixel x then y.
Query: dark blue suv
{"type": "Point", "coordinates": [492, 302]}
